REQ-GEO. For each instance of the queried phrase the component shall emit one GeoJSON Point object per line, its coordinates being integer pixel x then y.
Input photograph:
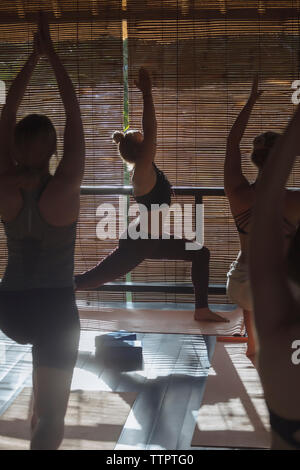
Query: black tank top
{"type": "Point", "coordinates": [159, 194]}
{"type": "Point", "coordinates": [40, 255]}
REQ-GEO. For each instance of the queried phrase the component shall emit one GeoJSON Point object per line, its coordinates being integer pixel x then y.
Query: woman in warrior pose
{"type": "Point", "coordinates": [276, 309]}
{"type": "Point", "coordinates": [150, 186]}
{"type": "Point", "coordinates": [39, 213]}
{"type": "Point", "coordinates": [241, 196]}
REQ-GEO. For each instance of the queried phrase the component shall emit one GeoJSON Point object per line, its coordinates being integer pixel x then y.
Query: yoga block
{"type": "Point", "coordinates": [122, 335]}
{"type": "Point", "coordinates": [121, 355]}
{"type": "Point", "coordinates": [112, 338]}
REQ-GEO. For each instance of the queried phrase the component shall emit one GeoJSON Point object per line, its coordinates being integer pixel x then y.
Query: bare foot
{"type": "Point", "coordinates": [205, 314]}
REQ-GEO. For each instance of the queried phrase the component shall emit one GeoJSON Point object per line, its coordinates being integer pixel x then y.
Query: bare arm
{"type": "Point", "coordinates": [233, 175]}
{"type": "Point", "coordinates": [71, 167]}
{"type": "Point", "coordinates": [149, 118]}
{"type": "Point", "coordinates": [273, 302]}
{"type": "Point", "coordinates": [9, 111]}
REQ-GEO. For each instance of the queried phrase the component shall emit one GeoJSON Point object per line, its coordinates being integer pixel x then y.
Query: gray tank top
{"type": "Point", "coordinates": [40, 255]}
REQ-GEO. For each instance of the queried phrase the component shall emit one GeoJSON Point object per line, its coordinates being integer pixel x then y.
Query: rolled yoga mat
{"type": "Point", "coordinates": [158, 321]}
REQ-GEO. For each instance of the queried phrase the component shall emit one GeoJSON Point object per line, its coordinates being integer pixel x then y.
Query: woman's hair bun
{"type": "Point", "coordinates": [117, 136]}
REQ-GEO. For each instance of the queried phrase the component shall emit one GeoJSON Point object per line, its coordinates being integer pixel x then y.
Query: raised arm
{"type": "Point", "coordinates": [149, 119]}
{"type": "Point", "coordinates": [268, 268]}
{"type": "Point", "coordinates": [233, 176]}
{"type": "Point", "coordinates": [9, 110]}
{"type": "Point", "coordinates": [71, 167]}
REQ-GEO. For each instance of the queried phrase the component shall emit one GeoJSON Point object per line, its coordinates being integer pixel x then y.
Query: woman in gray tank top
{"type": "Point", "coordinates": [39, 213]}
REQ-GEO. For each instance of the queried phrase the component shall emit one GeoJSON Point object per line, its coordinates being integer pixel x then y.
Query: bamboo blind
{"type": "Point", "coordinates": [202, 71]}
{"type": "Point", "coordinates": [92, 54]}
{"type": "Point", "coordinates": [202, 56]}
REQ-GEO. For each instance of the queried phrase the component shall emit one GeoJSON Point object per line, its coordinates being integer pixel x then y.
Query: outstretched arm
{"type": "Point", "coordinates": [149, 119]}
{"type": "Point", "coordinates": [273, 302]}
{"type": "Point", "coordinates": [233, 176]}
{"type": "Point", "coordinates": [71, 167]}
{"type": "Point", "coordinates": [9, 111]}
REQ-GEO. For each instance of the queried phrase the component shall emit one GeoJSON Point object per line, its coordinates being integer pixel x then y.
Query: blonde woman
{"type": "Point", "coordinates": [241, 195]}
{"type": "Point", "coordinates": [150, 188]}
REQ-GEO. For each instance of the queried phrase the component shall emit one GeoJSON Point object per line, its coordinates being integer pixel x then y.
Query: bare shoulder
{"type": "Point", "coordinates": [60, 202]}
{"type": "Point", "coordinates": [241, 198]}
{"type": "Point", "coordinates": [10, 197]}
{"type": "Point", "coordinates": [143, 170]}
{"type": "Point", "coordinates": [144, 177]}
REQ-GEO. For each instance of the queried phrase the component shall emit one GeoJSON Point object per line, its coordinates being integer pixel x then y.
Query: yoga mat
{"type": "Point", "coordinates": [233, 412]}
{"type": "Point", "coordinates": [158, 321]}
{"type": "Point", "coordinates": [94, 420]}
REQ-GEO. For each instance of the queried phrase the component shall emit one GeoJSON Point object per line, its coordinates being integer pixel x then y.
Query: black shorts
{"type": "Point", "coordinates": [46, 318]}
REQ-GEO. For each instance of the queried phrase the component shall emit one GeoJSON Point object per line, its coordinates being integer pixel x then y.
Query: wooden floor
{"type": "Point", "coordinates": [170, 387]}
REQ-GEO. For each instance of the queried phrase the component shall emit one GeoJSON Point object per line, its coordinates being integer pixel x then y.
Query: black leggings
{"type": "Point", "coordinates": [46, 318]}
{"type": "Point", "coordinates": [131, 253]}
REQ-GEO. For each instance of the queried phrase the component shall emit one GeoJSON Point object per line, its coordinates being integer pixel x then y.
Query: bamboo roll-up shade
{"type": "Point", "coordinates": [92, 54]}
{"type": "Point", "coordinates": [202, 73]}
{"type": "Point", "coordinates": [60, 9]}
{"type": "Point", "coordinates": [202, 55]}
{"type": "Point", "coordinates": [158, 9]}
{"type": "Point", "coordinates": [117, 9]}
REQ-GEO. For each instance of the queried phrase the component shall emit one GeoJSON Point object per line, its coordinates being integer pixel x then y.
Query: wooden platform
{"type": "Point", "coordinates": [94, 420]}
{"type": "Point", "coordinates": [173, 377]}
{"type": "Point", "coordinates": [143, 320]}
